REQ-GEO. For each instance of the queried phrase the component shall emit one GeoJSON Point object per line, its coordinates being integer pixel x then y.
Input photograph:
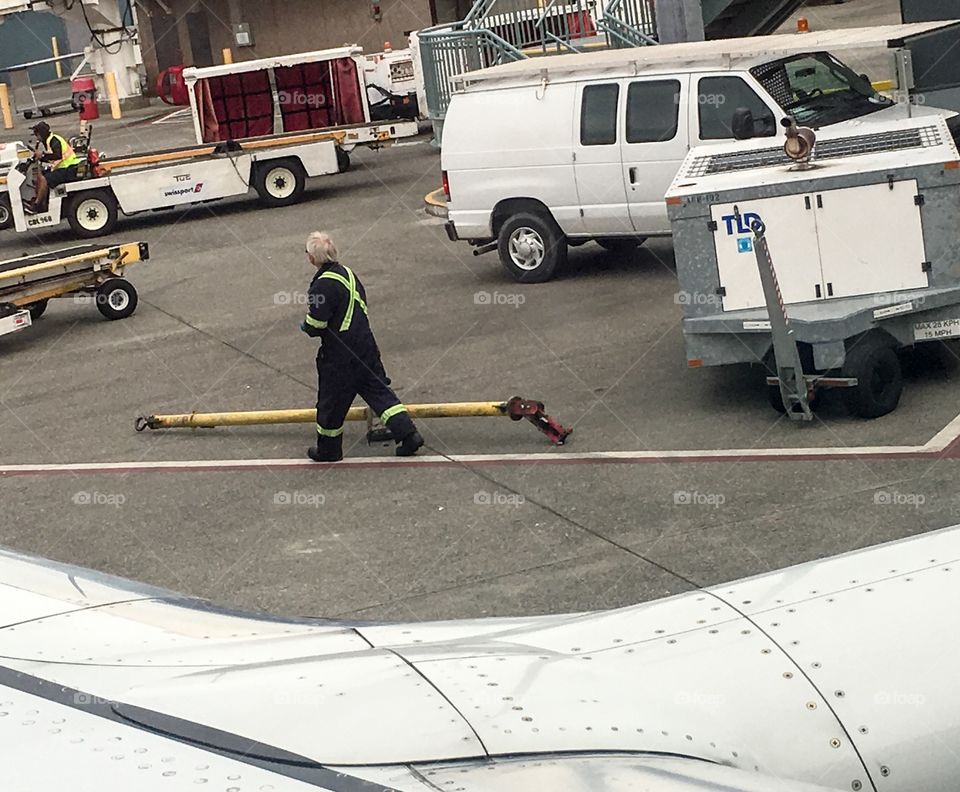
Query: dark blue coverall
{"type": "Point", "coordinates": [348, 361]}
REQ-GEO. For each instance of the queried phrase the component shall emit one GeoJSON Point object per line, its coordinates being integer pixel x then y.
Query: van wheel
{"type": "Point", "coordinates": [6, 216]}
{"type": "Point", "coordinates": [280, 182]}
{"type": "Point", "coordinates": [92, 213]}
{"type": "Point", "coordinates": [874, 362]}
{"type": "Point", "coordinates": [531, 247]}
{"type": "Point", "coordinates": [117, 298]}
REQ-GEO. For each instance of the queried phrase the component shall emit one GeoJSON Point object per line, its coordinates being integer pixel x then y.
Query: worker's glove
{"type": "Point", "coordinates": [313, 332]}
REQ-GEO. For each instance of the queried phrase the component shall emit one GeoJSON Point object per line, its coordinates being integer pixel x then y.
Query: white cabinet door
{"type": "Point", "coordinates": [871, 239]}
{"type": "Point", "coordinates": [791, 230]}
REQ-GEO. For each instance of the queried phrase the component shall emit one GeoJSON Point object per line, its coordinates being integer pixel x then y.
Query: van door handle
{"type": "Point", "coordinates": [817, 287]}
{"type": "Point", "coordinates": [633, 175]}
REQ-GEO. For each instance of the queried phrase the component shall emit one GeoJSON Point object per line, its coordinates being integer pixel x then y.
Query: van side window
{"type": "Point", "coordinates": [653, 108]}
{"type": "Point", "coordinates": [598, 115]}
{"type": "Point", "coordinates": [720, 97]}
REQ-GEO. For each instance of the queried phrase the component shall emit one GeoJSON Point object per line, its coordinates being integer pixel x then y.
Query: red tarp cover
{"type": "Point", "coordinates": [320, 94]}
{"type": "Point", "coordinates": [311, 96]}
{"type": "Point", "coordinates": [242, 105]}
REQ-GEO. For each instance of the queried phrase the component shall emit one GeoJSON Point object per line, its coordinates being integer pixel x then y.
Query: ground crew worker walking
{"type": "Point", "coordinates": [55, 151]}
{"type": "Point", "coordinates": [348, 362]}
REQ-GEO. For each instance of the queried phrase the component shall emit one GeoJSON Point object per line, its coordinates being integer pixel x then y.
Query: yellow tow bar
{"type": "Point", "coordinates": [515, 409]}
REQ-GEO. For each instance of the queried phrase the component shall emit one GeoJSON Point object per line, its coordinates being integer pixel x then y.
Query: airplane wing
{"type": "Point", "coordinates": [777, 682]}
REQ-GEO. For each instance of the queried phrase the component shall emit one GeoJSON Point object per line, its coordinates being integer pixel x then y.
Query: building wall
{"type": "Point", "coordinates": [281, 27]}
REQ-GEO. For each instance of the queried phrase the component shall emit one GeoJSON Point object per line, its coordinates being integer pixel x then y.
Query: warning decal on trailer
{"type": "Point", "coordinates": [929, 331]}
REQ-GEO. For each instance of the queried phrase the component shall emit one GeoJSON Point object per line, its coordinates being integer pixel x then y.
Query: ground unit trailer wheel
{"type": "Point", "coordinates": [531, 247]}
{"type": "Point", "coordinates": [91, 213]}
{"type": "Point", "coordinates": [873, 360]}
{"type": "Point", "coordinates": [116, 298]}
{"type": "Point", "coordinates": [37, 309]}
{"type": "Point", "coordinates": [6, 215]}
{"type": "Point", "coordinates": [280, 182]}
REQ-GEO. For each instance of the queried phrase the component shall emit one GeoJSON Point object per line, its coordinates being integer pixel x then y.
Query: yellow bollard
{"type": "Point", "coordinates": [56, 54]}
{"type": "Point", "coordinates": [227, 55]}
{"type": "Point", "coordinates": [111, 80]}
{"type": "Point", "coordinates": [5, 106]}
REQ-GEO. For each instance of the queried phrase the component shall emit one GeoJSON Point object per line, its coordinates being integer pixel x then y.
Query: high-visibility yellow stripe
{"type": "Point", "coordinates": [324, 432]}
{"type": "Point", "coordinates": [354, 295]}
{"type": "Point", "coordinates": [348, 316]}
{"type": "Point", "coordinates": [315, 322]}
{"type": "Point", "coordinates": [391, 412]}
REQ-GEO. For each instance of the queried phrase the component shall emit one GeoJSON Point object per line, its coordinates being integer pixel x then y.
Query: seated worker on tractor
{"type": "Point", "coordinates": [61, 159]}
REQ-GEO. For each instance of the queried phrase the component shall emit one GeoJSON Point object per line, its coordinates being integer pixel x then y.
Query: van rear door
{"type": "Point", "coordinates": [597, 163]}
{"type": "Point", "coordinates": [655, 141]}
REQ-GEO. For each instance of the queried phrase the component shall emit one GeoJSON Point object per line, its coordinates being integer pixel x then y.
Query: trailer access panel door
{"type": "Point", "coordinates": [891, 258]}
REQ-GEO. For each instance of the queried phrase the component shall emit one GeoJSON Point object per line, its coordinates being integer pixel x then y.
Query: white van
{"type": "Point", "coordinates": [549, 152]}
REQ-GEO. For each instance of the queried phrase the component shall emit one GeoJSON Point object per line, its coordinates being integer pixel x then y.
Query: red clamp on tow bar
{"type": "Point", "coordinates": [518, 409]}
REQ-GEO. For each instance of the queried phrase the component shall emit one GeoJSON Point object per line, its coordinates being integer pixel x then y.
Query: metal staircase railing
{"type": "Point", "coordinates": [498, 31]}
{"type": "Point", "coordinates": [449, 51]}
{"type": "Point", "coordinates": [629, 23]}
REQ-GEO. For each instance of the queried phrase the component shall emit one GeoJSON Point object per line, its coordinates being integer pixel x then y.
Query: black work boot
{"type": "Point", "coordinates": [327, 449]}
{"type": "Point", "coordinates": [410, 444]}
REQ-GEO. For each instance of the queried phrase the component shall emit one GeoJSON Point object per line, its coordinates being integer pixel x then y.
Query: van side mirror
{"type": "Point", "coordinates": [742, 125]}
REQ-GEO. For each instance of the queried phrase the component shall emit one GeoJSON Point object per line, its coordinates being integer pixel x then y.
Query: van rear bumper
{"type": "Point", "coordinates": [451, 230]}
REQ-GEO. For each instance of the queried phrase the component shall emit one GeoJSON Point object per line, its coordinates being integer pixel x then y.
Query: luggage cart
{"type": "Point", "coordinates": [29, 283]}
{"type": "Point", "coordinates": [820, 259]}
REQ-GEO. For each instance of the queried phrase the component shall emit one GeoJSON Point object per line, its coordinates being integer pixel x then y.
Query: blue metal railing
{"type": "Point", "coordinates": [498, 31]}
{"type": "Point", "coordinates": [450, 51]}
{"type": "Point", "coordinates": [629, 23]}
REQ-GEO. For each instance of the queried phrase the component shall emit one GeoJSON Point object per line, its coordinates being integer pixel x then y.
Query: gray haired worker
{"type": "Point", "coordinates": [348, 362]}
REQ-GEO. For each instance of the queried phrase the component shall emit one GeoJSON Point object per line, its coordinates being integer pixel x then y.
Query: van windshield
{"type": "Point", "coordinates": [817, 89]}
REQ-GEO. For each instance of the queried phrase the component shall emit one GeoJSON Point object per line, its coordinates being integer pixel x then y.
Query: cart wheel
{"type": "Point", "coordinates": [116, 298]}
{"type": "Point", "coordinates": [36, 310]}
{"type": "Point", "coordinates": [92, 213]}
{"type": "Point", "coordinates": [6, 216]}
{"type": "Point", "coordinates": [874, 362]}
{"type": "Point", "coordinates": [343, 160]}
{"type": "Point", "coordinates": [280, 182]}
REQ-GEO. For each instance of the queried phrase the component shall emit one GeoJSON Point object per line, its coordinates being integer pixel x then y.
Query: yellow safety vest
{"type": "Point", "coordinates": [68, 157]}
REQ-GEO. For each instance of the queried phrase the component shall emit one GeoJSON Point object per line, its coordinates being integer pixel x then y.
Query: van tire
{"type": "Point", "coordinates": [531, 247]}
{"type": "Point", "coordinates": [6, 215]}
{"type": "Point", "coordinates": [280, 182]}
{"type": "Point", "coordinates": [91, 213]}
